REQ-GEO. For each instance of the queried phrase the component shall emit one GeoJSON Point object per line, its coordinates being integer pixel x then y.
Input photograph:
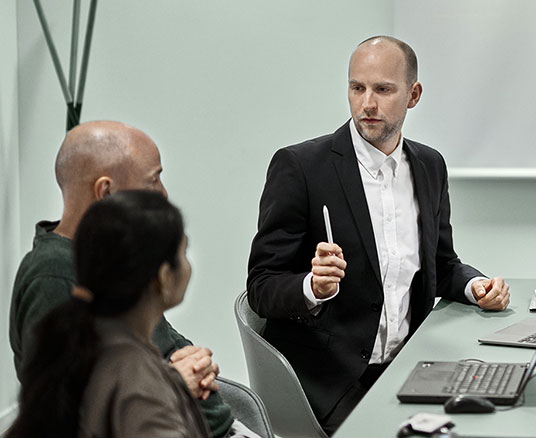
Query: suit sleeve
{"type": "Point", "coordinates": [452, 274]}
{"type": "Point", "coordinates": [280, 256]}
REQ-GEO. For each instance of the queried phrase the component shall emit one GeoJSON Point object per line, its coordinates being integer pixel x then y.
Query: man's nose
{"type": "Point", "coordinates": [369, 101]}
{"type": "Point", "coordinates": [163, 190]}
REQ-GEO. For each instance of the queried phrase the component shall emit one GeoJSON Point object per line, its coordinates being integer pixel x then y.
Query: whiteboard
{"type": "Point", "coordinates": [478, 70]}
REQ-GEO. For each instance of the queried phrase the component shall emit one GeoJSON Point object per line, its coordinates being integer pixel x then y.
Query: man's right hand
{"type": "Point", "coordinates": [197, 370]}
{"type": "Point", "coordinates": [328, 268]}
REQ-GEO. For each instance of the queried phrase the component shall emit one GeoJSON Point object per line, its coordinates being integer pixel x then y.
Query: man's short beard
{"type": "Point", "coordinates": [388, 131]}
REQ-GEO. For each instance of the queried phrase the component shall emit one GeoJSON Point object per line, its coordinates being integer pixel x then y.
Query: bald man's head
{"type": "Point", "coordinates": [90, 149]}
{"type": "Point", "coordinates": [122, 154]}
{"type": "Point", "coordinates": [410, 57]}
{"type": "Point", "coordinates": [99, 158]}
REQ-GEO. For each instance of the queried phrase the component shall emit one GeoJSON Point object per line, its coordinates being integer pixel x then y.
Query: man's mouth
{"type": "Point", "coordinates": [369, 120]}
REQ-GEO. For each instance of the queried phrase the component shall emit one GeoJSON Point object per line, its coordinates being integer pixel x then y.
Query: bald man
{"type": "Point", "coordinates": [340, 312]}
{"type": "Point", "coordinates": [97, 159]}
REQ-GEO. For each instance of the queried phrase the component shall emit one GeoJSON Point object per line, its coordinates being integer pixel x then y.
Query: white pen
{"type": "Point", "coordinates": [327, 222]}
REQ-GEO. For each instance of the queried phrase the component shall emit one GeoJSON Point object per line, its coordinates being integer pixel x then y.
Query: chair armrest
{"type": "Point", "coordinates": [246, 406]}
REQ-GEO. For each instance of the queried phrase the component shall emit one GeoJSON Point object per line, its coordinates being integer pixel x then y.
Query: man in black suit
{"type": "Point", "coordinates": [341, 318]}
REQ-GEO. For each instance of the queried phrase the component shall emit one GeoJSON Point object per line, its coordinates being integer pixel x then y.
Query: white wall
{"type": "Point", "coordinates": [9, 199]}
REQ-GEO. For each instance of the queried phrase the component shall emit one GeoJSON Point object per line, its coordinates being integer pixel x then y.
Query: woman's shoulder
{"type": "Point", "coordinates": [130, 385]}
{"type": "Point", "coordinates": [125, 362]}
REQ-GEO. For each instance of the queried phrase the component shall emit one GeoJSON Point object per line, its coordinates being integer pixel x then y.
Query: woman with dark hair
{"type": "Point", "coordinates": [94, 371]}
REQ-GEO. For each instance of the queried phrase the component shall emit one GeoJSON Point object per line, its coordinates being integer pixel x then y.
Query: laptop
{"type": "Point", "coordinates": [520, 334]}
{"type": "Point", "coordinates": [436, 382]}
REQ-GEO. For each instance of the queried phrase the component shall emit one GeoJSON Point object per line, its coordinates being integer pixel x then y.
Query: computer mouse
{"type": "Point", "coordinates": [468, 404]}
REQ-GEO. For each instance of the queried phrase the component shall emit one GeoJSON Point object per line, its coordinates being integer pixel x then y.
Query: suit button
{"type": "Point", "coordinates": [365, 354]}
{"type": "Point", "coordinates": [375, 307]}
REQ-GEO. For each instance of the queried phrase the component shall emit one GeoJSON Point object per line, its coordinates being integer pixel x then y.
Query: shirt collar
{"type": "Point", "coordinates": [371, 158]}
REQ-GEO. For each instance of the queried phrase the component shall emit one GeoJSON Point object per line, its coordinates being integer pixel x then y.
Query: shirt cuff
{"type": "Point", "coordinates": [313, 303]}
{"type": "Point", "coordinates": [468, 293]}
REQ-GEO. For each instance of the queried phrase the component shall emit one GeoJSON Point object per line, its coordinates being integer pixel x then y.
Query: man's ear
{"type": "Point", "coordinates": [102, 187]}
{"type": "Point", "coordinates": [415, 94]}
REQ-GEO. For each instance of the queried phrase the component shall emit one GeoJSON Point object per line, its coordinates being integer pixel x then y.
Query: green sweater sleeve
{"type": "Point", "coordinates": [166, 338]}
{"type": "Point", "coordinates": [217, 412]}
{"type": "Point", "coordinates": [40, 296]}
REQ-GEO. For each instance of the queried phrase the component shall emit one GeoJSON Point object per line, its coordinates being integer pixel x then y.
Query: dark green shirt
{"type": "Point", "coordinates": [45, 278]}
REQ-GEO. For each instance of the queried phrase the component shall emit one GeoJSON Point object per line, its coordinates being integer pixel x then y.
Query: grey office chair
{"type": "Point", "coordinates": [246, 406]}
{"type": "Point", "coordinates": [274, 380]}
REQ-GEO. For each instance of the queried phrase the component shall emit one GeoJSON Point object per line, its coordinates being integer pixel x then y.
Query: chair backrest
{"type": "Point", "coordinates": [246, 406]}
{"type": "Point", "coordinates": [271, 376]}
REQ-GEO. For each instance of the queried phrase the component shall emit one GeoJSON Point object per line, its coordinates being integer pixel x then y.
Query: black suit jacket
{"type": "Point", "coordinates": [331, 350]}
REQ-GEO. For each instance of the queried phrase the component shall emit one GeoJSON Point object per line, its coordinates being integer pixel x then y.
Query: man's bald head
{"type": "Point", "coordinates": [92, 149]}
{"type": "Point", "coordinates": [103, 149]}
{"type": "Point", "coordinates": [99, 158]}
{"type": "Point", "coordinates": [410, 57]}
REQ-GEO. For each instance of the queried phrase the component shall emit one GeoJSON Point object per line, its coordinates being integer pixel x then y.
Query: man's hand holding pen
{"type": "Point", "coordinates": [328, 267]}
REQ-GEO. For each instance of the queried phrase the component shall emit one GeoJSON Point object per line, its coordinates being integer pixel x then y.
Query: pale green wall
{"type": "Point", "coordinates": [9, 196]}
{"type": "Point", "coordinates": [494, 222]}
{"type": "Point", "coordinates": [220, 86]}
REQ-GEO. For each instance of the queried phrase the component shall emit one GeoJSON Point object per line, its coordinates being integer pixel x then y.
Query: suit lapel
{"type": "Point", "coordinates": [421, 183]}
{"type": "Point", "coordinates": [347, 169]}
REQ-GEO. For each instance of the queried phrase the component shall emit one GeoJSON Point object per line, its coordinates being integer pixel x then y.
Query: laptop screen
{"type": "Point", "coordinates": [528, 374]}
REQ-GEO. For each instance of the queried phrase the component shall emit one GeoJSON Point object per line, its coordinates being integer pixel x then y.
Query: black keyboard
{"type": "Point", "coordinates": [486, 378]}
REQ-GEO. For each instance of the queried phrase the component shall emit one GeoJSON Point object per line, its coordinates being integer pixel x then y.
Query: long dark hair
{"type": "Point", "coordinates": [118, 248]}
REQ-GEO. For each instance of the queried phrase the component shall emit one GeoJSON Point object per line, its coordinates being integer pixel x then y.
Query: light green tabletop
{"type": "Point", "coordinates": [450, 333]}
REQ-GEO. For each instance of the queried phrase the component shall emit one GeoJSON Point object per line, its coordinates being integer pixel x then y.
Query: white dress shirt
{"type": "Point", "coordinates": [394, 212]}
